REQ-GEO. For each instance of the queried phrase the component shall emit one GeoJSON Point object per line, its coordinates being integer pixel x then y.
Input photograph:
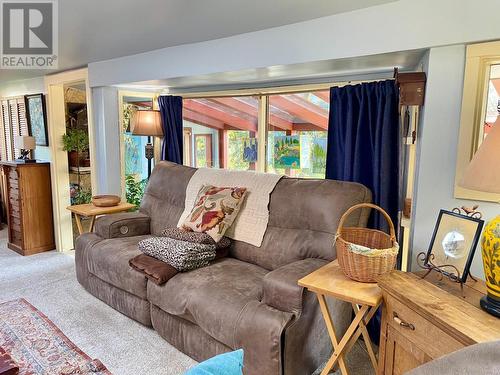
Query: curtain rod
{"type": "Point", "coordinates": [271, 90]}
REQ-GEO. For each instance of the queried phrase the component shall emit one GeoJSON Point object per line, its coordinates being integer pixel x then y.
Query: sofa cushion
{"type": "Point", "coordinates": [109, 261]}
{"type": "Point", "coordinates": [213, 297]}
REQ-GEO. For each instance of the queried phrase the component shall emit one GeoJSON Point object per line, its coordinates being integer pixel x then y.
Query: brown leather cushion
{"type": "Point", "coordinates": [109, 261]}
{"type": "Point", "coordinates": [213, 297]}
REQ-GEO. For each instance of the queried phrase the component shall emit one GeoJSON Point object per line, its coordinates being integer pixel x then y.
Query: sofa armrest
{"type": "Point", "coordinates": [280, 288]}
{"type": "Point", "coordinates": [127, 224]}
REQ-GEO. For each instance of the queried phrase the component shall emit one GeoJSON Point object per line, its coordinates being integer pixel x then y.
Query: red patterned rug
{"type": "Point", "coordinates": [38, 346]}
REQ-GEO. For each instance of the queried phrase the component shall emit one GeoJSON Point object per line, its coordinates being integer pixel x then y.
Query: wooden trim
{"type": "Point", "coordinates": [222, 148]}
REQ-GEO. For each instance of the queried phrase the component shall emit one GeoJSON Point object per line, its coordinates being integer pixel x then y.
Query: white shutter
{"type": "Point", "coordinates": [14, 122]}
{"type": "Point", "coordinates": [4, 124]}
{"type": "Point", "coordinates": [23, 121]}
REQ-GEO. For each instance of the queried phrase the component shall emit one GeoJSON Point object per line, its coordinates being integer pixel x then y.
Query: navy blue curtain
{"type": "Point", "coordinates": [171, 117]}
{"type": "Point", "coordinates": [364, 142]}
{"type": "Point", "coordinates": [363, 146]}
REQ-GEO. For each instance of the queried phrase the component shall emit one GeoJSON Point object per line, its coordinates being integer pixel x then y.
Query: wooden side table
{"type": "Point", "coordinates": [89, 210]}
{"type": "Point", "coordinates": [330, 281]}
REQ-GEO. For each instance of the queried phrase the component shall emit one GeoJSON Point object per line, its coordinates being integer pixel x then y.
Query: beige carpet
{"type": "Point", "coordinates": [49, 283]}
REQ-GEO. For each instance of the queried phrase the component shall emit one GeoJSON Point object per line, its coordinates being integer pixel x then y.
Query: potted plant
{"type": "Point", "coordinates": [76, 142]}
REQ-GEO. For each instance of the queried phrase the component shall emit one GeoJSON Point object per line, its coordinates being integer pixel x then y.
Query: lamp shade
{"type": "Point", "coordinates": [24, 142]}
{"type": "Point", "coordinates": [146, 122]}
{"type": "Point", "coordinates": [482, 173]}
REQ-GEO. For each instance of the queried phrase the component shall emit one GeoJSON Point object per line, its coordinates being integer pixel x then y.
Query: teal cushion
{"type": "Point", "coordinates": [223, 364]}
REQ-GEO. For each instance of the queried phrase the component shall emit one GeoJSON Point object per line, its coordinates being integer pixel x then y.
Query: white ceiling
{"type": "Point", "coordinates": [95, 30]}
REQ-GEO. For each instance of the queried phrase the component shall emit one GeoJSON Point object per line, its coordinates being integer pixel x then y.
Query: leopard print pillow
{"type": "Point", "coordinates": [195, 237]}
{"type": "Point", "coordinates": [182, 255]}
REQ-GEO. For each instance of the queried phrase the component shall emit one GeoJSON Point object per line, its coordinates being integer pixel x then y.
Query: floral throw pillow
{"type": "Point", "coordinates": [215, 209]}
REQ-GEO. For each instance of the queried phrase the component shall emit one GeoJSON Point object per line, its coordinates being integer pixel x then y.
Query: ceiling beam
{"type": "Point", "coordinates": [323, 95]}
{"type": "Point", "coordinates": [239, 105]}
{"type": "Point", "coordinates": [201, 119]}
{"type": "Point", "coordinates": [220, 115]}
{"type": "Point", "coordinates": [302, 110]}
{"type": "Point", "coordinates": [307, 127]}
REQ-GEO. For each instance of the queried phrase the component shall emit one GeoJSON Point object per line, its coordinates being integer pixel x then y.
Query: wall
{"type": "Point", "coordinates": [437, 151]}
{"type": "Point", "coordinates": [27, 87]}
{"type": "Point", "coordinates": [107, 139]}
{"type": "Point", "coordinates": [397, 26]}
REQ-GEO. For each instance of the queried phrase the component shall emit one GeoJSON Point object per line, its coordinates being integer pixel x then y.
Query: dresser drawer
{"type": "Point", "coordinates": [14, 182]}
{"type": "Point", "coordinates": [15, 223]}
{"type": "Point", "coordinates": [14, 193]}
{"type": "Point", "coordinates": [16, 237]}
{"type": "Point", "coordinates": [15, 211]}
{"type": "Point", "coordinates": [425, 335]}
{"type": "Point", "coordinates": [12, 174]}
{"type": "Point", "coordinates": [14, 203]}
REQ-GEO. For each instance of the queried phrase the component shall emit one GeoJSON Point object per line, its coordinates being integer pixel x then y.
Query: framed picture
{"type": "Point", "coordinates": [287, 152]}
{"type": "Point", "coordinates": [250, 150]}
{"type": "Point", "coordinates": [453, 243]}
{"type": "Point", "coordinates": [36, 116]}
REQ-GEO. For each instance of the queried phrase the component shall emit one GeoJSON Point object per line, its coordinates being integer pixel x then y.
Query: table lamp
{"type": "Point", "coordinates": [25, 144]}
{"type": "Point", "coordinates": [482, 174]}
{"type": "Point", "coordinates": [147, 122]}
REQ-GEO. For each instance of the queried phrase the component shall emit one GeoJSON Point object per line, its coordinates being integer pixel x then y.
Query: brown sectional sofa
{"type": "Point", "coordinates": [248, 300]}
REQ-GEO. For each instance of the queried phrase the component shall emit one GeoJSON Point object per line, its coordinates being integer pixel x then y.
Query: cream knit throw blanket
{"type": "Point", "coordinates": [251, 223]}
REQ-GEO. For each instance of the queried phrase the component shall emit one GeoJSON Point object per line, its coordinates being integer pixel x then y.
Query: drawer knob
{"type": "Point", "coordinates": [402, 323]}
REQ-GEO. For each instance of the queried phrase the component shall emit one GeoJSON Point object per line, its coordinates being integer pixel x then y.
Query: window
{"type": "Point", "coordinates": [297, 134]}
{"type": "Point", "coordinates": [224, 132]}
{"type": "Point", "coordinates": [221, 132]}
{"type": "Point", "coordinates": [13, 122]}
{"type": "Point", "coordinates": [135, 164]}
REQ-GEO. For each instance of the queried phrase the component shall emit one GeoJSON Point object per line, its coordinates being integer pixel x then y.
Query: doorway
{"type": "Point", "coordinates": [76, 144]}
{"type": "Point", "coordinates": [69, 109]}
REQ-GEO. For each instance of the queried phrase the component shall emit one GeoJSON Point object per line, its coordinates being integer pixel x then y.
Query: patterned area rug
{"type": "Point", "coordinates": [38, 346]}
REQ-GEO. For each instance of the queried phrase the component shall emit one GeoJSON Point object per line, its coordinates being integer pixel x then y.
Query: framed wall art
{"type": "Point", "coordinates": [36, 116]}
{"type": "Point", "coordinates": [453, 244]}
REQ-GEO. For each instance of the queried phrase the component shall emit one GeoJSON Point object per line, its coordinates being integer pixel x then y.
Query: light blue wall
{"type": "Point", "coordinates": [107, 140]}
{"type": "Point", "coordinates": [437, 148]}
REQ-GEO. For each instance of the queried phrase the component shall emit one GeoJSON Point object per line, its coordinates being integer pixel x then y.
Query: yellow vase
{"type": "Point", "coordinates": [491, 262]}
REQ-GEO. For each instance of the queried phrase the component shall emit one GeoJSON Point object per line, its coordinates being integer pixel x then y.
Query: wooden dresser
{"type": "Point", "coordinates": [424, 319]}
{"type": "Point", "coordinates": [28, 197]}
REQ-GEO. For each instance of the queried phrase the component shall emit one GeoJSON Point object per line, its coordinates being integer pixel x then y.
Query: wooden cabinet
{"type": "Point", "coordinates": [28, 197]}
{"type": "Point", "coordinates": [421, 321]}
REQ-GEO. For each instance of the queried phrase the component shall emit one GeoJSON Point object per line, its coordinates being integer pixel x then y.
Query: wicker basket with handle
{"type": "Point", "coordinates": [377, 253]}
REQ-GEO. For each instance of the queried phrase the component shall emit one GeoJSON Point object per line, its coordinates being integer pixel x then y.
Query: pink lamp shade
{"type": "Point", "coordinates": [146, 122]}
{"type": "Point", "coordinates": [24, 142]}
{"type": "Point", "coordinates": [482, 173]}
